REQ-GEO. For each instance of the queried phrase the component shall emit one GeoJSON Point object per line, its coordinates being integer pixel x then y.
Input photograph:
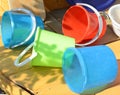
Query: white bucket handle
{"type": "Point", "coordinates": [99, 21]}
{"type": "Point", "coordinates": [34, 24]}
{"type": "Point", "coordinates": [19, 64]}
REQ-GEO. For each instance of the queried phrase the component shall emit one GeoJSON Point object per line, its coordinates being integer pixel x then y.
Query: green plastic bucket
{"type": "Point", "coordinates": [48, 49]}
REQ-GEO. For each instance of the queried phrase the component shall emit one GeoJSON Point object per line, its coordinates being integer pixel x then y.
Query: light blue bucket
{"type": "Point", "coordinates": [89, 67]}
{"type": "Point", "coordinates": [19, 29]}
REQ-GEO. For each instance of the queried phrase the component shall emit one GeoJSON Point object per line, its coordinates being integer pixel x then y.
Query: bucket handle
{"type": "Point", "coordinates": [34, 24]}
{"type": "Point", "coordinates": [99, 21]}
{"type": "Point", "coordinates": [17, 63]}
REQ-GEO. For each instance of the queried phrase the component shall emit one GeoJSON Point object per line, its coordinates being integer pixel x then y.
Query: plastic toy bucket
{"type": "Point", "coordinates": [89, 67]}
{"type": "Point", "coordinates": [84, 26]}
{"type": "Point", "coordinates": [48, 49]}
{"type": "Point", "coordinates": [18, 28]}
{"type": "Point", "coordinates": [99, 4]}
{"type": "Point", "coordinates": [114, 14]}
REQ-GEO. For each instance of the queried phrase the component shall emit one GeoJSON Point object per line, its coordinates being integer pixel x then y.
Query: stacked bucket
{"type": "Point", "coordinates": [87, 69]}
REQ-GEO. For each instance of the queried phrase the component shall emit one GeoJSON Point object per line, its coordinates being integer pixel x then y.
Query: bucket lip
{"type": "Point", "coordinates": [83, 69]}
{"type": "Point", "coordinates": [12, 26]}
{"type": "Point", "coordinates": [109, 13]}
{"type": "Point", "coordinates": [88, 20]}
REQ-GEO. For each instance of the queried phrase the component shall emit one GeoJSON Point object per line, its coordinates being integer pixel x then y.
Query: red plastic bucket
{"type": "Point", "coordinates": [86, 27]}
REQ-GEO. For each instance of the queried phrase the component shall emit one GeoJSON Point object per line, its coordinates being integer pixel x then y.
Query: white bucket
{"type": "Point", "coordinates": [114, 14]}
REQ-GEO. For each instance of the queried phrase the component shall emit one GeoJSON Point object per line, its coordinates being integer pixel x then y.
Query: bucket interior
{"type": "Point", "coordinates": [75, 23]}
{"type": "Point", "coordinates": [115, 14]}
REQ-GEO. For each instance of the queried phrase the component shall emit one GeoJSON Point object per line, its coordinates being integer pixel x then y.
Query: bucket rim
{"type": "Point", "coordinates": [83, 70]}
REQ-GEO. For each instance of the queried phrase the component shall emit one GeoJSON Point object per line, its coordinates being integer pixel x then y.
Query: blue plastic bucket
{"type": "Point", "coordinates": [18, 28]}
{"type": "Point", "coordinates": [89, 67]}
{"type": "Point", "coordinates": [98, 4]}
